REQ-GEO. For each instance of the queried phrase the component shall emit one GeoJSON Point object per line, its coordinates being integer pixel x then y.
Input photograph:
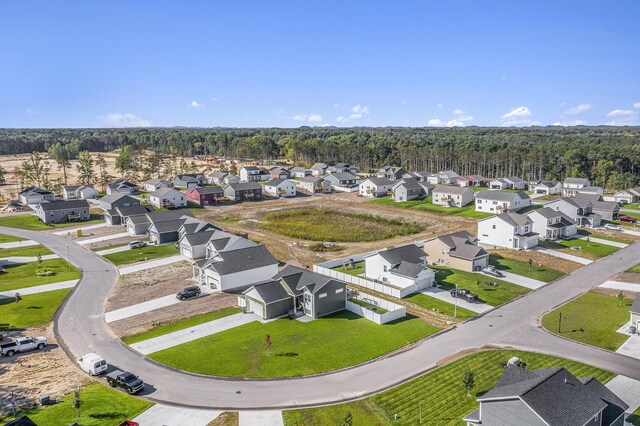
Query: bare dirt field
{"type": "Point", "coordinates": [627, 277]}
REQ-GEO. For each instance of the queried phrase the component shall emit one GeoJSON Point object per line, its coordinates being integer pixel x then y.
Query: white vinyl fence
{"type": "Point", "coordinates": [395, 311]}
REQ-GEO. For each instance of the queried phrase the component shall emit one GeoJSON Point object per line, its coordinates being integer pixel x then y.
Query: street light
{"type": "Point", "coordinates": [68, 257]}
{"type": "Point", "coordinates": [455, 306]}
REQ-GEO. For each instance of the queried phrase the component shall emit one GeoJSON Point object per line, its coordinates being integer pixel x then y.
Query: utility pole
{"type": "Point", "coordinates": [559, 321]}
{"type": "Point", "coordinates": [68, 259]}
{"type": "Point", "coordinates": [455, 306]}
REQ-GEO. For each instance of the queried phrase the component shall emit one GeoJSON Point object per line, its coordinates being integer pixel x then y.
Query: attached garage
{"type": "Point", "coordinates": [268, 300]}
{"type": "Point", "coordinates": [185, 251]}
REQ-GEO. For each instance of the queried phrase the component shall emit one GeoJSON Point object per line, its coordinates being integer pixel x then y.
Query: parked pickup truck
{"type": "Point", "coordinates": [23, 344]}
{"type": "Point", "coordinates": [465, 294]}
{"type": "Point", "coordinates": [125, 381]}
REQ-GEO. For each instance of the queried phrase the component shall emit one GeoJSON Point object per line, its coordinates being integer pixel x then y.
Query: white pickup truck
{"type": "Point", "coordinates": [23, 344]}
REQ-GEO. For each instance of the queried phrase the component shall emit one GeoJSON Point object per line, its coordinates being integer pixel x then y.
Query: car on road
{"type": "Point", "coordinates": [23, 344]}
{"type": "Point", "coordinates": [93, 364]}
{"type": "Point", "coordinates": [612, 227]}
{"type": "Point", "coordinates": [126, 381]}
{"type": "Point", "coordinates": [137, 244]}
{"type": "Point", "coordinates": [491, 270]}
{"type": "Point", "coordinates": [463, 293]}
{"type": "Point", "coordinates": [627, 219]}
{"type": "Point", "coordinates": [189, 292]}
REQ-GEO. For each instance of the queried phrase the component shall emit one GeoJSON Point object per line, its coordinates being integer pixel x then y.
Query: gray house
{"type": "Point", "coordinates": [341, 180]}
{"type": "Point", "coordinates": [408, 189]}
{"type": "Point", "coordinates": [63, 211]}
{"type": "Point", "coordinates": [83, 192]}
{"type": "Point", "coordinates": [35, 195]}
{"type": "Point", "coordinates": [164, 226]}
{"type": "Point", "coordinates": [635, 313]}
{"type": "Point", "coordinates": [122, 186]}
{"type": "Point", "coordinates": [319, 169]}
{"type": "Point", "coordinates": [110, 202]}
{"type": "Point", "coordinates": [342, 168]}
{"type": "Point", "coordinates": [547, 397]}
{"type": "Point", "coordinates": [189, 181]}
{"type": "Point", "coordinates": [393, 173]}
{"type": "Point", "coordinates": [120, 214]}
{"type": "Point", "coordinates": [243, 191]}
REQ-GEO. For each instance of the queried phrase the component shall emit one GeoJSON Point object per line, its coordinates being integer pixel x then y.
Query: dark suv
{"type": "Point", "coordinates": [465, 294]}
{"type": "Point", "coordinates": [189, 292]}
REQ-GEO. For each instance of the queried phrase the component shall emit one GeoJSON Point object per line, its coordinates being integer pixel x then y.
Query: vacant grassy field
{"type": "Point", "coordinates": [634, 206]}
{"type": "Point", "coordinates": [439, 393]}
{"type": "Point", "coordinates": [9, 238]}
{"type": "Point", "coordinates": [634, 268]}
{"type": "Point", "coordinates": [28, 251]}
{"type": "Point", "coordinates": [330, 225]}
{"type": "Point", "coordinates": [540, 273]}
{"type": "Point", "coordinates": [32, 310]}
{"type": "Point", "coordinates": [427, 205]}
{"type": "Point", "coordinates": [180, 325]}
{"type": "Point", "coordinates": [358, 269]}
{"type": "Point", "coordinates": [596, 249]}
{"type": "Point", "coordinates": [28, 221]}
{"type": "Point", "coordinates": [494, 296]}
{"type": "Point", "coordinates": [592, 318]}
{"type": "Point", "coordinates": [438, 305]}
{"type": "Point", "coordinates": [101, 406]}
{"type": "Point", "coordinates": [24, 274]}
{"type": "Point", "coordinates": [145, 253]}
{"type": "Point", "coordinates": [297, 349]}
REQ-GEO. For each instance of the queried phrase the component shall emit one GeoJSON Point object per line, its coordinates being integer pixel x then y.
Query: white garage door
{"type": "Point", "coordinates": [255, 307]}
{"type": "Point", "coordinates": [186, 252]}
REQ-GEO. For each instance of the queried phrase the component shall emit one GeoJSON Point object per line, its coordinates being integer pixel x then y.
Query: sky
{"type": "Point", "coordinates": [323, 63]}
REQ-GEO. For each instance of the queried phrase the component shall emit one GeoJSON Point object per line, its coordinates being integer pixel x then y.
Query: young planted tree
{"type": "Point", "coordinates": [267, 342]}
{"type": "Point", "coordinates": [61, 154]}
{"type": "Point", "coordinates": [348, 419]}
{"type": "Point", "coordinates": [468, 381]}
{"type": "Point", "coordinates": [233, 169]}
{"type": "Point", "coordinates": [620, 297]}
{"type": "Point", "coordinates": [76, 401]}
{"type": "Point", "coordinates": [530, 263]}
{"type": "Point", "coordinates": [85, 167]}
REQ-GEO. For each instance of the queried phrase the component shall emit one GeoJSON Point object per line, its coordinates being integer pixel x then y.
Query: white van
{"type": "Point", "coordinates": [93, 364]}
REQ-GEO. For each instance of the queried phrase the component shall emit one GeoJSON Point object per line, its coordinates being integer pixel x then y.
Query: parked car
{"type": "Point", "coordinates": [137, 244]}
{"type": "Point", "coordinates": [627, 219]}
{"type": "Point", "coordinates": [491, 270]}
{"type": "Point", "coordinates": [189, 292]}
{"type": "Point", "coordinates": [93, 364]}
{"type": "Point", "coordinates": [125, 380]}
{"type": "Point", "coordinates": [23, 344]}
{"type": "Point", "coordinates": [463, 293]}
{"type": "Point", "coordinates": [612, 227]}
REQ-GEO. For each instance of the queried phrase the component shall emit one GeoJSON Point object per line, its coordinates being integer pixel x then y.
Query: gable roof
{"type": "Point", "coordinates": [462, 245]}
{"type": "Point", "coordinates": [547, 183]}
{"type": "Point", "coordinates": [448, 189]}
{"type": "Point", "coordinates": [578, 181]}
{"type": "Point", "coordinates": [514, 179]}
{"type": "Point", "coordinates": [250, 168]}
{"type": "Point", "coordinates": [243, 259]}
{"type": "Point", "coordinates": [122, 182]}
{"type": "Point", "coordinates": [244, 186]}
{"type": "Point", "coordinates": [297, 279]}
{"type": "Point", "coordinates": [35, 190]}
{"type": "Point", "coordinates": [514, 219]}
{"type": "Point", "coordinates": [410, 184]}
{"type": "Point", "coordinates": [277, 181]}
{"type": "Point", "coordinates": [422, 173]}
{"type": "Point", "coordinates": [116, 196]}
{"type": "Point", "coordinates": [64, 205]}
{"type": "Point", "coordinates": [635, 307]}
{"type": "Point", "coordinates": [476, 177]}
{"type": "Point", "coordinates": [163, 191]}
{"type": "Point", "coordinates": [156, 181]}
{"type": "Point", "coordinates": [342, 176]}
{"type": "Point", "coordinates": [496, 195]}
{"type": "Point", "coordinates": [409, 253]}
{"type": "Point", "coordinates": [171, 215]}
{"type": "Point", "coordinates": [311, 179]}
{"type": "Point", "coordinates": [299, 169]}
{"type": "Point", "coordinates": [407, 269]}
{"type": "Point", "coordinates": [270, 291]}
{"type": "Point", "coordinates": [449, 173]}
{"type": "Point", "coordinates": [319, 166]}
{"type": "Point", "coordinates": [379, 181]}
{"type": "Point", "coordinates": [126, 211]}
{"type": "Point", "coordinates": [204, 190]}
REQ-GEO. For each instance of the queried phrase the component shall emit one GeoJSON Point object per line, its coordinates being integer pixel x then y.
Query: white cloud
{"type": "Point", "coordinates": [336, 105]}
{"type": "Point", "coordinates": [621, 113]}
{"type": "Point", "coordinates": [30, 111]}
{"type": "Point", "coordinates": [458, 112]}
{"type": "Point", "coordinates": [518, 117]}
{"type": "Point", "coordinates": [359, 109]}
{"type": "Point", "coordinates": [126, 119]}
{"type": "Point", "coordinates": [435, 122]}
{"type": "Point", "coordinates": [312, 118]}
{"type": "Point", "coordinates": [579, 109]}
{"type": "Point", "coordinates": [570, 123]}
{"type": "Point", "coordinates": [342, 119]}
{"type": "Point", "coordinates": [636, 105]}
{"type": "Point", "coordinates": [355, 116]}
{"type": "Point", "coordinates": [195, 105]}
{"type": "Point", "coordinates": [519, 112]}
{"type": "Point", "coordinates": [440, 106]}
{"type": "Point", "coordinates": [454, 123]}
{"type": "Point", "coordinates": [214, 99]}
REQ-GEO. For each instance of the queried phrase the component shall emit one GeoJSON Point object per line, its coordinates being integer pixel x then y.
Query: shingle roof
{"type": "Point", "coordinates": [514, 179]}
{"type": "Point", "coordinates": [64, 205]}
{"type": "Point", "coordinates": [156, 181]}
{"type": "Point", "coordinates": [319, 166]}
{"type": "Point", "coordinates": [243, 259]}
{"type": "Point", "coordinates": [115, 196]}
{"type": "Point", "coordinates": [71, 187]}
{"type": "Point", "coordinates": [591, 190]}
{"type": "Point", "coordinates": [199, 238]}
{"type": "Point", "coordinates": [311, 179]}
{"type": "Point", "coordinates": [299, 169]}
{"type": "Point", "coordinates": [160, 192]}
{"type": "Point", "coordinates": [449, 173]}
{"type": "Point", "coordinates": [548, 184]}
{"type": "Point", "coordinates": [422, 173]}
{"type": "Point", "coordinates": [168, 225]}
{"type": "Point", "coordinates": [270, 292]}
{"type": "Point", "coordinates": [495, 195]}
{"type": "Point", "coordinates": [219, 175]}
{"type": "Point", "coordinates": [514, 219]}
{"type": "Point", "coordinates": [204, 190]}
{"type": "Point", "coordinates": [297, 279]}
{"type": "Point", "coordinates": [407, 269]}
{"type": "Point", "coordinates": [380, 181]}
{"type": "Point", "coordinates": [35, 190]}
{"type": "Point", "coordinates": [635, 307]}
{"type": "Point", "coordinates": [447, 189]}
{"type": "Point", "coordinates": [462, 245]}
{"type": "Point", "coordinates": [409, 253]}
{"type": "Point", "coordinates": [122, 182]}
{"type": "Point", "coordinates": [245, 186]}
{"type": "Point", "coordinates": [343, 176]}
{"type": "Point", "coordinates": [580, 181]}
{"type": "Point", "coordinates": [409, 184]}
{"type": "Point", "coordinates": [127, 211]}
{"type": "Point", "coordinates": [155, 217]}
{"type": "Point", "coordinates": [277, 181]}
{"type": "Point", "coordinates": [252, 168]}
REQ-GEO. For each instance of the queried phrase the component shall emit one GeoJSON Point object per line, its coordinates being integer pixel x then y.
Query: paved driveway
{"type": "Point", "coordinates": [113, 250]}
{"type": "Point", "coordinates": [563, 255]}
{"type": "Point", "coordinates": [103, 238]}
{"type": "Point", "coordinates": [151, 264]}
{"type": "Point", "coordinates": [167, 415]}
{"type": "Point", "coordinates": [26, 259]}
{"type": "Point", "coordinates": [445, 296]}
{"type": "Point", "coordinates": [521, 281]}
{"type": "Point", "coordinates": [16, 244]}
{"type": "Point", "coordinates": [72, 231]}
{"type": "Point", "coordinates": [141, 308]}
{"type": "Point", "coordinates": [631, 347]}
{"type": "Point", "coordinates": [261, 418]}
{"type": "Point", "coordinates": [620, 285]}
{"type": "Point", "coordinates": [39, 288]}
{"type": "Point", "coordinates": [602, 241]}
{"type": "Point", "coordinates": [627, 389]}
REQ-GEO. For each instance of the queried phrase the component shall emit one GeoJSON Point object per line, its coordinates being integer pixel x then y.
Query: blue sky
{"type": "Point", "coordinates": [338, 63]}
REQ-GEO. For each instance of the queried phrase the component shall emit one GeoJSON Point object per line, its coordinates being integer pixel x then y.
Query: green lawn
{"type": "Point", "coordinates": [24, 274]}
{"type": "Point", "coordinates": [357, 270]}
{"type": "Point", "coordinates": [368, 306]}
{"type": "Point", "coordinates": [101, 406]}
{"type": "Point", "coordinates": [427, 205]}
{"type": "Point", "coordinates": [180, 325]}
{"type": "Point", "coordinates": [32, 310]}
{"type": "Point", "coordinates": [530, 208]}
{"type": "Point", "coordinates": [439, 394]}
{"type": "Point", "coordinates": [146, 253]}
{"type": "Point", "coordinates": [592, 318]}
{"type": "Point", "coordinates": [491, 295]}
{"type": "Point", "coordinates": [596, 249]}
{"type": "Point", "coordinates": [634, 268]}
{"type": "Point", "coordinates": [29, 221]}
{"type": "Point", "coordinates": [635, 206]}
{"type": "Point", "coordinates": [438, 305]}
{"type": "Point", "coordinates": [9, 238]}
{"type": "Point", "coordinates": [541, 273]}
{"type": "Point", "coordinates": [602, 237]}
{"type": "Point", "coordinates": [28, 251]}
{"type": "Point", "coordinates": [549, 197]}
{"type": "Point", "coordinates": [297, 349]}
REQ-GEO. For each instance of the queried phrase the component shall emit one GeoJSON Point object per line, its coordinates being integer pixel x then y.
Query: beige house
{"type": "Point", "coordinates": [452, 196]}
{"type": "Point", "coordinates": [458, 251]}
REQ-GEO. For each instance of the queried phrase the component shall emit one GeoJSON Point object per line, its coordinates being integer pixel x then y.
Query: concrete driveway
{"type": "Point", "coordinates": [631, 347]}
{"type": "Point", "coordinates": [445, 296]}
{"type": "Point", "coordinates": [521, 281]}
{"type": "Point", "coordinates": [142, 266]}
{"type": "Point", "coordinates": [16, 244]}
{"type": "Point", "coordinates": [166, 415]}
{"type": "Point", "coordinates": [620, 285]}
{"type": "Point", "coordinates": [261, 418]}
{"type": "Point", "coordinates": [563, 255]}
{"type": "Point", "coordinates": [141, 308]}
{"type": "Point", "coordinates": [72, 231]}
{"type": "Point", "coordinates": [40, 288]}
{"type": "Point", "coordinates": [627, 389]}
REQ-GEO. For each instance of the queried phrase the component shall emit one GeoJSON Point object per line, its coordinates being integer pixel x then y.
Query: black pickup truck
{"type": "Point", "coordinates": [465, 294]}
{"type": "Point", "coordinates": [125, 380]}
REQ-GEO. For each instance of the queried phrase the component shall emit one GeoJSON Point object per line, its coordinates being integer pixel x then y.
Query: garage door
{"type": "Point", "coordinates": [186, 252]}
{"type": "Point", "coordinates": [255, 307]}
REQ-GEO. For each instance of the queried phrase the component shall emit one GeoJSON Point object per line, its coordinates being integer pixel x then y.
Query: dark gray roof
{"type": "Point", "coordinates": [408, 269]}
{"type": "Point", "coordinates": [379, 180]}
{"type": "Point", "coordinates": [64, 205]}
{"type": "Point", "coordinates": [122, 182]}
{"type": "Point", "coordinates": [422, 173]}
{"type": "Point", "coordinates": [155, 217]}
{"type": "Point", "coordinates": [198, 238]}
{"type": "Point", "coordinates": [580, 181]}
{"type": "Point", "coordinates": [343, 176]}
{"type": "Point", "coordinates": [219, 175]}
{"type": "Point", "coordinates": [203, 190]}
{"type": "Point", "coordinates": [243, 259]}
{"type": "Point", "coordinates": [71, 187]}
{"type": "Point", "coordinates": [245, 186]}
{"type": "Point", "coordinates": [548, 184]}
{"type": "Point", "coordinates": [605, 206]}
{"type": "Point", "coordinates": [635, 307]}
{"type": "Point", "coordinates": [276, 182]}
{"type": "Point", "coordinates": [462, 245]}
{"type": "Point", "coordinates": [168, 225]}
{"type": "Point", "coordinates": [136, 220]}
{"type": "Point", "coordinates": [514, 179]}
{"type": "Point", "coordinates": [545, 212]}
{"type": "Point", "coordinates": [514, 219]}
{"type": "Point", "coordinates": [409, 184]}
{"type": "Point", "coordinates": [35, 190]}
{"type": "Point", "coordinates": [163, 191]}
{"type": "Point", "coordinates": [449, 189]}
{"type": "Point", "coordinates": [134, 210]}
{"type": "Point", "coordinates": [251, 168]}
{"type": "Point", "coordinates": [198, 226]}
{"type": "Point", "coordinates": [115, 196]}
{"type": "Point", "coordinates": [297, 279]}
{"type": "Point", "coordinates": [319, 166]}
{"type": "Point", "coordinates": [311, 179]}
{"type": "Point", "coordinates": [409, 253]}
{"type": "Point", "coordinates": [270, 292]}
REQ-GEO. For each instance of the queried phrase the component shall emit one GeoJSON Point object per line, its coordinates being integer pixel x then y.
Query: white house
{"type": "Point", "coordinates": [590, 190]}
{"type": "Point", "coordinates": [207, 243]}
{"type": "Point", "coordinates": [35, 195]}
{"type": "Point", "coordinates": [155, 184]}
{"type": "Point", "coordinates": [511, 182]}
{"type": "Point", "coordinates": [452, 196]}
{"type": "Point", "coordinates": [631, 195]}
{"type": "Point", "coordinates": [81, 192]}
{"type": "Point", "coordinates": [300, 172]}
{"type": "Point", "coordinates": [375, 187]}
{"type": "Point", "coordinates": [550, 224]}
{"type": "Point", "coordinates": [403, 267]}
{"type": "Point", "coordinates": [250, 174]}
{"type": "Point", "coordinates": [579, 209]}
{"type": "Point", "coordinates": [508, 230]}
{"type": "Point", "coordinates": [572, 185]}
{"type": "Point", "coordinates": [319, 169]}
{"type": "Point", "coordinates": [546, 187]}
{"type": "Point", "coordinates": [167, 198]}
{"type": "Point", "coordinates": [280, 188]}
{"type": "Point", "coordinates": [446, 177]}
{"type": "Point", "coordinates": [492, 201]}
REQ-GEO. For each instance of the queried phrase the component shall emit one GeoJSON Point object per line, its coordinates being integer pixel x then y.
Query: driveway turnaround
{"type": "Point", "coordinates": [141, 308]}
{"type": "Point", "coordinates": [602, 241]}
{"type": "Point", "coordinates": [167, 415]}
{"type": "Point", "coordinates": [627, 389]}
{"type": "Point", "coordinates": [39, 288]}
{"type": "Point", "coordinates": [619, 285]}
{"type": "Point", "coordinates": [103, 238]}
{"type": "Point", "coordinates": [192, 333]}
{"type": "Point", "coordinates": [16, 244]}
{"type": "Point", "coordinates": [72, 231]}
{"type": "Point", "coordinates": [521, 281]}
{"type": "Point", "coordinates": [563, 255]}
{"type": "Point", "coordinates": [143, 266]}
{"type": "Point", "coordinates": [445, 296]}
{"type": "Point", "coordinates": [261, 418]}
{"type": "Point", "coordinates": [113, 250]}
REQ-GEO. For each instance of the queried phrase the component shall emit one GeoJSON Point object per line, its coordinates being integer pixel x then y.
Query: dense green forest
{"type": "Point", "coordinates": [608, 155]}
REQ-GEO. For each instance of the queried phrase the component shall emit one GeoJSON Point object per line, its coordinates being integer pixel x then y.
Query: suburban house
{"type": "Point", "coordinates": [119, 214]}
{"type": "Point", "coordinates": [496, 201]}
{"type": "Point", "coordinates": [447, 177]}
{"type": "Point", "coordinates": [580, 209]}
{"type": "Point", "coordinates": [222, 178]}
{"type": "Point", "coordinates": [393, 173]}
{"type": "Point", "coordinates": [403, 267]}
{"type": "Point", "coordinates": [458, 250]}
{"type": "Point", "coordinates": [545, 187]}
{"type": "Point", "coordinates": [81, 192]}
{"type": "Point", "coordinates": [206, 195]}
{"type": "Point", "coordinates": [35, 195]}
{"type": "Point", "coordinates": [590, 190]}
{"type": "Point", "coordinates": [296, 291]}
{"type": "Point", "coordinates": [498, 184]}
{"type": "Point", "coordinates": [571, 186]}
{"type": "Point", "coordinates": [315, 185]}
{"type": "Point", "coordinates": [111, 201]}
{"type": "Point", "coordinates": [511, 182]}
{"type": "Point", "coordinates": [243, 191]}
{"type": "Point", "coordinates": [408, 189]}
{"type": "Point", "coordinates": [280, 188]}
{"type": "Point", "coordinates": [167, 198]}
{"type": "Point", "coordinates": [319, 169]}
{"type": "Point", "coordinates": [229, 179]}
{"type": "Point", "coordinates": [122, 186]}
{"type": "Point", "coordinates": [631, 195]}
{"type": "Point", "coordinates": [606, 209]}
{"type": "Point", "coordinates": [208, 241]}
{"type": "Point", "coordinates": [238, 269]}
{"type": "Point", "coordinates": [508, 230]}
{"type": "Point", "coordinates": [375, 187]}
{"type": "Point", "coordinates": [300, 172]}
{"type": "Point", "coordinates": [473, 180]}
{"type": "Point", "coordinates": [155, 184]}
{"type": "Point", "coordinates": [250, 174]}
{"type": "Point", "coordinates": [63, 211]}
{"type": "Point", "coordinates": [341, 180]}
{"type": "Point", "coordinates": [634, 311]}
{"type": "Point", "coordinates": [342, 168]}
{"type": "Point", "coordinates": [188, 181]}
{"type": "Point", "coordinates": [421, 175]}
{"type": "Point", "coordinates": [279, 173]}
{"type": "Point", "coordinates": [452, 196]}
{"type": "Point", "coordinates": [547, 397]}
{"type": "Point", "coordinates": [164, 227]}
{"type": "Point", "coordinates": [551, 224]}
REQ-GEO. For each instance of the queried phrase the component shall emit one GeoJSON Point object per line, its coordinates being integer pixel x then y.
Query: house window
{"type": "Point", "coordinates": [340, 290]}
{"type": "Point", "coordinates": [493, 227]}
{"type": "Point", "coordinates": [322, 295]}
{"type": "Point", "coordinates": [385, 268]}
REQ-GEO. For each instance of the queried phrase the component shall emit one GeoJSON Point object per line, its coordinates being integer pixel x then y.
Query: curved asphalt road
{"type": "Point", "coordinates": [81, 328]}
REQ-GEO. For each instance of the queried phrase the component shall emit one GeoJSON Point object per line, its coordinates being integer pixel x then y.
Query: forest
{"type": "Point", "coordinates": [610, 156]}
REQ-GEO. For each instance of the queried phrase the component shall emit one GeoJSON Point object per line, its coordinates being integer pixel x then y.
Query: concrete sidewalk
{"type": "Point", "coordinates": [620, 285]}
{"type": "Point", "coordinates": [103, 238]}
{"type": "Point", "coordinates": [141, 308]}
{"type": "Point", "coordinates": [113, 250]}
{"type": "Point", "coordinates": [142, 266]}
{"type": "Point", "coordinates": [261, 418]}
{"type": "Point", "coordinates": [16, 244]}
{"type": "Point", "coordinates": [72, 231]}
{"type": "Point", "coordinates": [445, 296]}
{"type": "Point", "coordinates": [626, 389]}
{"type": "Point", "coordinates": [26, 259]}
{"type": "Point", "coordinates": [562, 255]}
{"type": "Point", "coordinates": [39, 288]}
{"type": "Point", "coordinates": [521, 281]}
{"type": "Point", "coordinates": [631, 347]}
{"type": "Point", "coordinates": [167, 415]}
{"type": "Point", "coordinates": [636, 233]}
{"type": "Point", "coordinates": [602, 241]}
{"type": "Point", "coordinates": [192, 333]}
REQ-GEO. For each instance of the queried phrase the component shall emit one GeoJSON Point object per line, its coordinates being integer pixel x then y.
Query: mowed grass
{"type": "Point", "coordinates": [592, 318]}
{"type": "Point", "coordinates": [427, 205]}
{"type": "Point", "coordinates": [358, 269]}
{"type": "Point", "coordinates": [9, 238]}
{"type": "Point", "coordinates": [540, 273]}
{"type": "Point", "coordinates": [593, 248]}
{"type": "Point", "coordinates": [634, 215]}
{"type": "Point", "coordinates": [330, 225]}
{"type": "Point", "coordinates": [492, 295]}
{"type": "Point", "coordinates": [438, 395]}
{"type": "Point", "coordinates": [101, 406]}
{"type": "Point", "coordinates": [28, 251]}
{"type": "Point", "coordinates": [634, 268]}
{"type": "Point", "coordinates": [297, 348]}
{"type": "Point", "coordinates": [29, 221]}
{"type": "Point", "coordinates": [179, 325]}
{"type": "Point", "coordinates": [22, 275]}
{"type": "Point", "coordinates": [437, 305]}
{"type": "Point", "coordinates": [32, 310]}
{"type": "Point", "coordinates": [145, 253]}
{"type": "Point", "coordinates": [634, 206]}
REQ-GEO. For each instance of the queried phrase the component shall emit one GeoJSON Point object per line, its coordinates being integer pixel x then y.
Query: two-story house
{"type": "Point", "coordinates": [473, 180]}
{"type": "Point", "coordinates": [446, 177]}
{"type": "Point", "coordinates": [315, 185]}
{"type": "Point", "coordinates": [79, 192]}
{"type": "Point", "coordinates": [628, 196]}
{"type": "Point", "coordinates": [408, 189]}
{"type": "Point", "coordinates": [250, 174]}
{"type": "Point", "coordinates": [496, 201]}
{"type": "Point", "coordinates": [111, 201]}
{"type": "Point", "coordinates": [459, 250]}
{"type": "Point", "coordinates": [508, 230]}
{"type": "Point", "coordinates": [167, 198]}
{"type": "Point", "coordinates": [280, 188]}
{"type": "Point", "coordinates": [393, 173]}
{"type": "Point", "coordinates": [571, 186]}
{"type": "Point", "coordinates": [300, 172]}
{"type": "Point", "coordinates": [403, 267]}
{"type": "Point", "coordinates": [319, 169]}
{"type": "Point", "coordinates": [243, 191]}
{"type": "Point", "coordinates": [188, 181]}
{"type": "Point", "coordinates": [206, 195]}
{"type": "Point", "coordinates": [551, 224]}
{"type": "Point", "coordinates": [451, 196]}
{"type": "Point", "coordinates": [63, 211]}
{"type": "Point", "coordinates": [579, 209]}
{"type": "Point", "coordinates": [35, 195]}
{"type": "Point", "coordinates": [155, 184]}
{"type": "Point", "coordinates": [545, 187]}
{"type": "Point", "coordinates": [122, 186]}
{"type": "Point", "coordinates": [341, 180]}
{"type": "Point", "coordinates": [606, 209]}
{"type": "Point", "coordinates": [342, 168]}
{"type": "Point", "coordinates": [375, 187]}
